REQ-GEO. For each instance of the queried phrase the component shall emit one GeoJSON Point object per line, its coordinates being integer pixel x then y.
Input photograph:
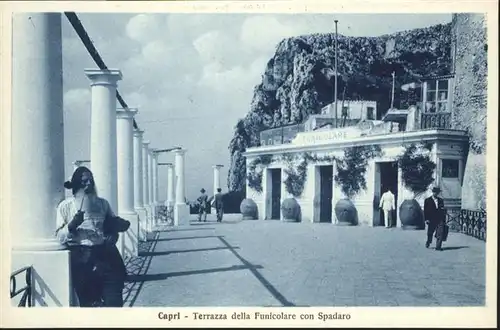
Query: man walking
{"type": "Point", "coordinates": [434, 215]}
{"type": "Point", "coordinates": [218, 204]}
{"type": "Point", "coordinates": [202, 206]}
{"type": "Point", "coordinates": [387, 205]}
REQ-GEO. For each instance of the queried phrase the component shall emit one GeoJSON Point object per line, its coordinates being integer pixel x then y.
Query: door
{"type": "Point", "coordinates": [389, 180]}
{"type": "Point", "coordinates": [326, 186]}
{"type": "Point", "coordinates": [275, 193]}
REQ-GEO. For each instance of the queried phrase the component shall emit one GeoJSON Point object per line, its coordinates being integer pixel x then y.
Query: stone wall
{"type": "Point", "coordinates": [469, 55]}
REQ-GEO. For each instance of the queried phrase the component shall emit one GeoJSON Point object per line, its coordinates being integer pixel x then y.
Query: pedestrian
{"type": "Point", "coordinates": [218, 204]}
{"type": "Point", "coordinates": [387, 204]}
{"type": "Point", "coordinates": [89, 228]}
{"type": "Point", "coordinates": [202, 206]}
{"type": "Point", "coordinates": [435, 218]}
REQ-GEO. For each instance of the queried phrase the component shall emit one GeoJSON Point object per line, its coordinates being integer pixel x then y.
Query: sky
{"type": "Point", "coordinates": [192, 75]}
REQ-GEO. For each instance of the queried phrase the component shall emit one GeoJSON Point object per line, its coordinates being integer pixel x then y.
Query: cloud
{"type": "Point", "coordinates": [145, 27]}
{"type": "Point", "coordinates": [264, 32]}
{"type": "Point", "coordinates": [77, 100]}
{"type": "Point", "coordinates": [217, 46]}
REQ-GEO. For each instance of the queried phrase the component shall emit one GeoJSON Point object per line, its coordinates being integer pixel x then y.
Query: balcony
{"type": "Point", "coordinates": [435, 120]}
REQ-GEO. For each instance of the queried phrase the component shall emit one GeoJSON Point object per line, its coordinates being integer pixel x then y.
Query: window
{"type": "Point", "coordinates": [437, 96]}
{"type": "Point", "coordinates": [369, 113]}
{"type": "Point", "coordinates": [449, 168]}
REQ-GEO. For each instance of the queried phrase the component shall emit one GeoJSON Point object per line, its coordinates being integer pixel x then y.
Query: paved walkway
{"type": "Point", "coordinates": [269, 263]}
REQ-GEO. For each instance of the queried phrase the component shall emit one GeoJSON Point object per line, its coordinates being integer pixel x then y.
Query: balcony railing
{"type": "Point", "coordinates": [435, 120]}
{"type": "Point", "coordinates": [468, 222]}
{"type": "Point", "coordinates": [26, 299]}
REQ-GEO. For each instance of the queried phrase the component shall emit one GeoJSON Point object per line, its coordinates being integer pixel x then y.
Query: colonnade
{"type": "Point", "coordinates": [125, 168]}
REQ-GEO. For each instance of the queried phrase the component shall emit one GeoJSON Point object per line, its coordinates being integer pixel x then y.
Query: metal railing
{"type": "Point", "coordinates": [26, 298]}
{"type": "Point", "coordinates": [435, 120]}
{"type": "Point", "coordinates": [468, 222]}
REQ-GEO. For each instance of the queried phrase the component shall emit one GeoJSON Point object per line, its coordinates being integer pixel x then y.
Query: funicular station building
{"type": "Point", "coordinates": [426, 122]}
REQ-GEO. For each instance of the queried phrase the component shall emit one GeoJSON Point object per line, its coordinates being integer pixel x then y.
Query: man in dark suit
{"type": "Point", "coordinates": [218, 204]}
{"type": "Point", "coordinates": [434, 214]}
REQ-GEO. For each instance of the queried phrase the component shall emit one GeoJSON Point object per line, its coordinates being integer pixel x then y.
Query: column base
{"type": "Point", "coordinates": [149, 219]}
{"type": "Point", "coordinates": [156, 220]}
{"type": "Point", "coordinates": [181, 215]}
{"type": "Point", "coordinates": [142, 215]}
{"type": "Point", "coordinates": [130, 246]}
{"type": "Point", "coordinates": [50, 279]}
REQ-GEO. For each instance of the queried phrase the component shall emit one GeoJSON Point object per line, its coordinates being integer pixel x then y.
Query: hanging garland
{"type": "Point", "coordinates": [352, 168]}
{"type": "Point", "coordinates": [255, 169]}
{"type": "Point", "coordinates": [417, 168]}
{"type": "Point", "coordinates": [296, 176]}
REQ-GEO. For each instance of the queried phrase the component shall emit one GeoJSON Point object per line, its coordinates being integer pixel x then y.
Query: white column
{"type": "Point", "coordinates": [181, 210]}
{"type": "Point", "coordinates": [138, 176]}
{"type": "Point", "coordinates": [125, 160]}
{"type": "Point", "coordinates": [37, 157]}
{"type": "Point", "coordinates": [217, 177]}
{"type": "Point", "coordinates": [170, 184]}
{"type": "Point", "coordinates": [125, 179]}
{"type": "Point", "coordinates": [145, 172]}
{"type": "Point", "coordinates": [138, 185]}
{"type": "Point", "coordinates": [145, 186]}
{"type": "Point", "coordinates": [103, 132]}
{"type": "Point", "coordinates": [180, 192]}
{"type": "Point", "coordinates": [155, 178]}
{"type": "Point", "coordinates": [150, 176]}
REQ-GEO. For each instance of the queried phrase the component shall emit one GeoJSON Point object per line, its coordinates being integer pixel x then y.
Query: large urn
{"type": "Point", "coordinates": [248, 209]}
{"type": "Point", "coordinates": [411, 215]}
{"type": "Point", "coordinates": [346, 213]}
{"type": "Point", "coordinates": [290, 210]}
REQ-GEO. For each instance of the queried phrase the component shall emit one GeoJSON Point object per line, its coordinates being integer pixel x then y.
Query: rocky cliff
{"type": "Point", "coordinates": [299, 79]}
{"type": "Point", "coordinates": [470, 52]}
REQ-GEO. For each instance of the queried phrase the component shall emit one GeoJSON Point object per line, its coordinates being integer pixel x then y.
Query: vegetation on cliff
{"type": "Point", "coordinates": [299, 80]}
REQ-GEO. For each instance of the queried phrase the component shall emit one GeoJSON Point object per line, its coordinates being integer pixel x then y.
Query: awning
{"type": "Point", "coordinates": [395, 115]}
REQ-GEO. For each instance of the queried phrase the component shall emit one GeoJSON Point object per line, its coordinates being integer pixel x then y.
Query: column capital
{"type": "Point", "coordinates": [80, 162]}
{"type": "Point", "coordinates": [122, 113]}
{"type": "Point", "coordinates": [138, 132]}
{"type": "Point", "coordinates": [180, 152]}
{"type": "Point", "coordinates": [103, 77]}
{"type": "Point", "coordinates": [217, 166]}
{"type": "Point", "coordinates": [146, 143]}
{"type": "Point", "coordinates": [168, 165]}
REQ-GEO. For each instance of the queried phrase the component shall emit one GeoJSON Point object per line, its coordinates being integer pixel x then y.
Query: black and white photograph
{"type": "Point", "coordinates": [265, 168]}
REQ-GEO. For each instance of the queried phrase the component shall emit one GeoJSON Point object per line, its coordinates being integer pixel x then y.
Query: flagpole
{"type": "Point", "coordinates": [392, 94]}
{"type": "Point", "coordinates": [336, 73]}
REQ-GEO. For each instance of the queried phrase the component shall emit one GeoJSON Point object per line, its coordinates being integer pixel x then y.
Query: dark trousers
{"type": "Point", "coordinates": [220, 213]}
{"type": "Point", "coordinates": [98, 275]}
{"type": "Point", "coordinates": [435, 227]}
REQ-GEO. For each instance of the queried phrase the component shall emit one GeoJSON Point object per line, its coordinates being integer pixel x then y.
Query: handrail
{"type": "Point", "coordinates": [26, 299]}
{"type": "Point", "coordinates": [468, 222]}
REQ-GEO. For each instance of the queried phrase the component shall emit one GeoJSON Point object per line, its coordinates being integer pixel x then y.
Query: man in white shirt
{"type": "Point", "coordinates": [387, 204]}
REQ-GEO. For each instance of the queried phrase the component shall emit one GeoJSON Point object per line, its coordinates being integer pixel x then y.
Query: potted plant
{"type": "Point", "coordinates": [248, 209]}
{"type": "Point", "coordinates": [417, 175]}
{"type": "Point", "coordinates": [351, 178]}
